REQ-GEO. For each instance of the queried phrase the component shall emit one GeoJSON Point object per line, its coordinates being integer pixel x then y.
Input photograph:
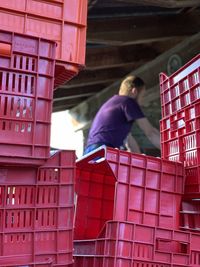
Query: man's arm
{"type": "Point", "coordinates": [152, 133]}
{"type": "Point", "coordinates": [131, 144]}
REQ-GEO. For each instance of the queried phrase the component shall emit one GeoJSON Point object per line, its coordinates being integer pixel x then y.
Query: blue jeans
{"type": "Point", "coordinates": [92, 147]}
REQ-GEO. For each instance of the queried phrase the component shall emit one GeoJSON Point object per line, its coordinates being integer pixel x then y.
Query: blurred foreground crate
{"type": "Point", "coordinates": [36, 213]}
{"type": "Point", "coordinates": [123, 244]}
{"type": "Point", "coordinates": [63, 21]}
{"type": "Point", "coordinates": [26, 94]}
{"type": "Point", "coordinates": [116, 185]}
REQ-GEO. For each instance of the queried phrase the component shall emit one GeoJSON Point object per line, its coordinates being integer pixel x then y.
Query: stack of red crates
{"type": "Point", "coordinates": [36, 213]}
{"type": "Point", "coordinates": [42, 44]}
{"type": "Point", "coordinates": [37, 189]}
{"type": "Point", "coordinates": [180, 132]}
{"type": "Point", "coordinates": [127, 212]}
{"type": "Point", "coordinates": [128, 205]}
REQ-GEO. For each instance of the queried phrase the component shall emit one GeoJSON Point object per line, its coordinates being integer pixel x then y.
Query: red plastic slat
{"type": "Point", "coordinates": [36, 213]}
{"type": "Point", "coordinates": [180, 135]}
{"type": "Point", "coordinates": [128, 244]}
{"type": "Point", "coordinates": [26, 93]}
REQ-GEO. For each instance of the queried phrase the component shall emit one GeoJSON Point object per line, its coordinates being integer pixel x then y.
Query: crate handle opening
{"type": "Point", "coordinates": [176, 246]}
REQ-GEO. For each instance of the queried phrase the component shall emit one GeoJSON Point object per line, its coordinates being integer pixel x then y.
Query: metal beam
{"type": "Point", "coordinates": [136, 30]}
{"type": "Point", "coordinates": [65, 98]}
{"type": "Point", "coordinates": [102, 74]}
{"type": "Point", "coordinates": [164, 3]}
{"type": "Point", "coordinates": [69, 97]}
{"type": "Point", "coordinates": [65, 105]}
{"type": "Point", "coordinates": [62, 92]}
{"type": "Point", "coordinates": [86, 84]}
{"type": "Point", "coordinates": [109, 55]}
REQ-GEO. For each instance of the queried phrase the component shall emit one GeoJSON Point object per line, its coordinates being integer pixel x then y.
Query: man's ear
{"type": "Point", "coordinates": [134, 91]}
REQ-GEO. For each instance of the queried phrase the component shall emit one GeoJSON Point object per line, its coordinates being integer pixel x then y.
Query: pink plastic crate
{"type": "Point", "coordinates": [26, 93]}
{"type": "Point", "coordinates": [125, 244]}
{"type": "Point", "coordinates": [180, 135]}
{"type": "Point", "coordinates": [180, 141]}
{"type": "Point", "coordinates": [190, 215]}
{"type": "Point", "coordinates": [86, 261]}
{"type": "Point", "coordinates": [180, 89]}
{"type": "Point", "coordinates": [192, 183]}
{"type": "Point", "coordinates": [63, 21]}
{"type": "Point", "coordinates": [36, 212]}
{"type": "Point", "coordinates": [116, 185]}
{"type": "Point", "coordinates": [12, 264]}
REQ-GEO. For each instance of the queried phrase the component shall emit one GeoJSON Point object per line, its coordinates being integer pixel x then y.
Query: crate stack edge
{"type": "Point", "coordinates": [180, 101]}
{"type": "Point", "coordinates": [180, 133]}
{"type": "Point", "coordinates": [36, 211]}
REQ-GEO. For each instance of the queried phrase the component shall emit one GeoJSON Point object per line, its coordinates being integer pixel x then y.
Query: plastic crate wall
{"type": "Point", "coordinates": [36, 211]}
{"type": "Point", "coordinates": [128, 244]}
{"type": "Point", "coordinates": [180, 135]}
{"type": "Point", "coordinates": [116, 185]}
{"type": "Point", "coordinates": [63, 21]}
{"type": "Point", "coordinates": [26, 93]}
{"type": "Point", "coordinates": [30, 265]}
{"type": "Point", "coordinates": [180, 89]}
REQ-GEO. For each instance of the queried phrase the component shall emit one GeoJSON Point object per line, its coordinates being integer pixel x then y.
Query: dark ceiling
{"type": "Point", "coordinates": [123, 35]}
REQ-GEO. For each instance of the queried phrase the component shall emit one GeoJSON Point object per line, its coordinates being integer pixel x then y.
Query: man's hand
{"type": "Point", "coordinates": [131, 144]}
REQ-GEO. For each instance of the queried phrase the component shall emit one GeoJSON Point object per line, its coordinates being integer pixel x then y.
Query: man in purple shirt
{"type": "Point", "coordinates": [113, 122]}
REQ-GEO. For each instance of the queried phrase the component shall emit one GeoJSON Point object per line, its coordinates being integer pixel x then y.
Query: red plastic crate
{"type": "Point", "coordinates": [180, 135]}
{"type": "Point", "coordinates": [117, 185]}
{"type": "Point", "coordinates": [26, 93]}
{"type": "Point", "coordinates": [192, 184]}
{"type": "Point", "coordinates": [63, 21]}
{"type": "Point", "coordinates": [180, 89]}
{"type": "Point", "coordinates": [36, 212]}
{"type": "Point", "coordinates": [86, 261]}
{"type": "Point", "coordinates": [45, 264]}
{"type": "Point", "coordinates": [190, 215]}
{"type": "Point", "coordinates": [130, 245]}
{"type": "Point", "coordinates": [185, 148]}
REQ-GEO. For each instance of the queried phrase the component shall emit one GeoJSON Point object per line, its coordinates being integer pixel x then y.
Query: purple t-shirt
{"type": "Point", "coordinates": [114, 120]}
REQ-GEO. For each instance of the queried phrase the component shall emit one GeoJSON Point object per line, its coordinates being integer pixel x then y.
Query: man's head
{"type": "Point", "coordinates": [133, 87]}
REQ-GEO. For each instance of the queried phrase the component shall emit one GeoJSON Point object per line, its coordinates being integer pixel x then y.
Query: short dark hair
{"type": "Point", "coordinates": [138, 82]}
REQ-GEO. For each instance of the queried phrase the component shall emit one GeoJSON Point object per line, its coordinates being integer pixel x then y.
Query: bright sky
{"type": "Point", "coordinates": [62, 134]}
